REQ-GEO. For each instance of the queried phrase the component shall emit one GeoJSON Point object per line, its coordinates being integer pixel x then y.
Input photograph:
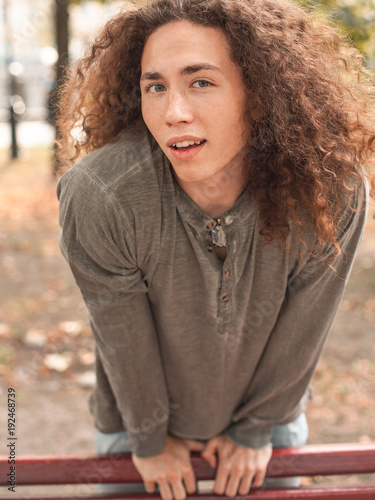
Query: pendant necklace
{"type": "Point", "coordinates": [218, 235]}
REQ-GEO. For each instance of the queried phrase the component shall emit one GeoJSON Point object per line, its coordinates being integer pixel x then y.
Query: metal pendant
{"type": "Point", "coordinates": [218, 236]}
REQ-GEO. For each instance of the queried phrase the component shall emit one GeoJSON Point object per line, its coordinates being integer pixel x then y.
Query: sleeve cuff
{"type": "Point", "coordinates": [147, 445]}
{"type": "Point", "coordinates": [248, 435]}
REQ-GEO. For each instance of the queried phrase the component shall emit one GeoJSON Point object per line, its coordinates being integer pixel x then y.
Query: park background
{"type": "Point", "coordinates": [46, 348]}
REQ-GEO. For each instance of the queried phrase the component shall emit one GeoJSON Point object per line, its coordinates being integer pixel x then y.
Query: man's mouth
{"type": "Point", "coordinates": [184, 145]}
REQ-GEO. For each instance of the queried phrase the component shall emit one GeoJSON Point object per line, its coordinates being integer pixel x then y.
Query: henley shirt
{"type": "Point", "coordinates": [187, 345]}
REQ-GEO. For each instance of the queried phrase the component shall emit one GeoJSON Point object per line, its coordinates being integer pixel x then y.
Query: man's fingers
{"type": "Point", "coordinates": [165, 490]}
{"type": "Point", "coordinates": [178, 490]}
{"type": "Point", "coordinates": [259, 478]}
{"type": "Point", "coordinates": [209, 453]}
{"type": "Point", "coordinates": [174, 490]}
{"type": "Point", "coordinates": [245, 484]}
{"type": "Point", "coordinates": [210, 459]}
{"type": "Point", "coordinates": [195, 445]}
{"type": "Point", "coordinates": [239, 469]}
{"type": "Point", "coordinates": [221, 478]}
{"type": "Point", "coordinates": [149, 486]}
{"type": "Point", "coordinates": [233, 484]}
{"type": "Point", "coordinates": [189, 481]}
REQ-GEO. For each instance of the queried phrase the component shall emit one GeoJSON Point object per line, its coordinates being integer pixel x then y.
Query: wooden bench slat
{"type": "Point", "coordinates": [352, 493]}
{"type": "Point", "coordinates": [306, 461]}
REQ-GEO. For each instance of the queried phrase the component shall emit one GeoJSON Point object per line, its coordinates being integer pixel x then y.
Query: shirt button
{"type": "Point", "coordinates": [227, 273]}
{"type": "Point", "coordinates": [225, 298]}
{"type": "Point", "coordinates": [210, 248]}
{"type": "Point", "coordinates": [228, 220]}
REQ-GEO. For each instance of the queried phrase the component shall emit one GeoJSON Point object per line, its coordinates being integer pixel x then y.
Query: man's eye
{"type": "Point", "coordinates": [201, 84]}
{"type": "Point", "coordinates": [155, 87]}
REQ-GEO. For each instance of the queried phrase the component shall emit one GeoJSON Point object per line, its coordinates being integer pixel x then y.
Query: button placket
{"type": "Point", "coordinates": [225, 306]}
{"type": "Point", "coordinates": [224, 310]}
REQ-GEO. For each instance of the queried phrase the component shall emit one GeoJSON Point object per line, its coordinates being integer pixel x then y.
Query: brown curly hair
{"type": "Point", "coordinates": [310, 109]}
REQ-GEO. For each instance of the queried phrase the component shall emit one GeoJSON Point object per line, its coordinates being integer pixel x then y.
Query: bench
{"type": "Point", "coordinates": [309, 460]}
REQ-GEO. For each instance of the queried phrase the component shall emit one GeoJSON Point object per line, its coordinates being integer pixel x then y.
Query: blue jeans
{"type": "Point", "coordinates": [284, 436]}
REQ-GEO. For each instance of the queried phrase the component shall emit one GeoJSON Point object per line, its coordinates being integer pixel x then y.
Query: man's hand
{"type": "Point", "coordinates": [171, 469]}
{"type": "Point", "coordinates": [239, 468]}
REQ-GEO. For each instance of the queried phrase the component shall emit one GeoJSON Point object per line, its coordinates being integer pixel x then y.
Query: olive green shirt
{"type": "Point", "coordinates": [188, 345]}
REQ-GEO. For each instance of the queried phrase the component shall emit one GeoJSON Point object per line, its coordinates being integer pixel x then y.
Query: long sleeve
{"type": "Point", "coordinates": [279, 390]}
{"type": "Point", "coordinates": [98, 243]}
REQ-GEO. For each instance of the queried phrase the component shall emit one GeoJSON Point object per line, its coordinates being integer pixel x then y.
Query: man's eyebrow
{"type": "Point", "coordinates": [188, 70]}
{"type": "Point", "coordinates": [151, 76]}
{"type": "Point", "coordinates": [194, 68]}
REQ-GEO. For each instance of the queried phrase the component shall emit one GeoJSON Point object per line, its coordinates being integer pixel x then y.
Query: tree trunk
{"type": "Point", "coordinates": [62, 38]}
{"type": "Point", "coordinates": [62, 35]}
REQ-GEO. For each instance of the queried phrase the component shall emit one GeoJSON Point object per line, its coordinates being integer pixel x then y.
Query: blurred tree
{"type": "Point", "coordinates": [356, 18]}
{"type": "Point", "coordinates": [62, 32]}
{"type": "Point", "coordinates": [62, 41]}
{"type": "Point", "coordinates": [62, 37]}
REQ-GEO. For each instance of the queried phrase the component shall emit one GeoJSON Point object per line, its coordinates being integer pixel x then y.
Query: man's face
{"type": "Point", "coordinates": [192, 92]}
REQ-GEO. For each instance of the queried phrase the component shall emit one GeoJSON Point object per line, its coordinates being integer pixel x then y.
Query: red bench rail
{"type": "Point", "coordinates": [362, 493]}
{"type": "Point", "coordinates": [306, 461]}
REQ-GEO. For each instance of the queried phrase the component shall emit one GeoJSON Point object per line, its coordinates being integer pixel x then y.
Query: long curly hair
{"type": "Point", "coordinates": [310, 108]}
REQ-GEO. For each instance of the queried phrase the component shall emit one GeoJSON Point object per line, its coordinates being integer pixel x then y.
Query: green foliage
{"type": "Point", "coordinates": [356, 18]}
{"type": "Point", "coordinates": [78, 2]}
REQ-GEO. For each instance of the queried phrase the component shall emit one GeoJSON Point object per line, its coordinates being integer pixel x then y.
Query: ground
{"type": "Point", "coordinates": [46, 349]}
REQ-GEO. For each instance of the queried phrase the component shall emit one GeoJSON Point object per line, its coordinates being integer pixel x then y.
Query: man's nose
{"type": "Point", "coordinates": [178, 108]}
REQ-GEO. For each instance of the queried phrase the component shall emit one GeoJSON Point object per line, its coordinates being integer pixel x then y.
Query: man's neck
{"type": "Point", "coordinates": [216, 195]}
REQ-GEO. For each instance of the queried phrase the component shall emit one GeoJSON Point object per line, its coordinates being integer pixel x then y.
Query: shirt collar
{"type": "Point", "coordinates": [241, 211]}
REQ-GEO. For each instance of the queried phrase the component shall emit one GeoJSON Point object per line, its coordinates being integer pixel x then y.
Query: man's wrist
{"type": "Point", "coordinates": [144, 448]}
{"type": "Point", "coordinates": [248, 436]}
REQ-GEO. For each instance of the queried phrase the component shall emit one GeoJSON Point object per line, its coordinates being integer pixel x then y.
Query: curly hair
{"type": "Point", "coordinates": [309, 111]}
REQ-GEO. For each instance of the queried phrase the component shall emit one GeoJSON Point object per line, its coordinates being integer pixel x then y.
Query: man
{"type": "Point", "coordinates": [211, 229]}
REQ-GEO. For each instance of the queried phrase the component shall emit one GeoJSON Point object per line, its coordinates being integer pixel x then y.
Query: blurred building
{"type": "Point", "coordinates": [27, 49]}
{"type": "Point", "coordinates": [27, 37]}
